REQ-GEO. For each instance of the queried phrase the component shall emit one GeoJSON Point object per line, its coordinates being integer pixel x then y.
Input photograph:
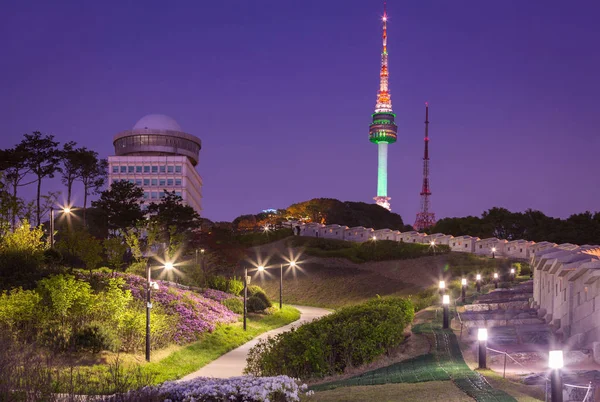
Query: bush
{"type": "Point", "coordinates": [95, 338]}
{"type": "Point", "coordinates": [236, 286]}
{"type": "Point", "coordinates": [351, 336]}
{"type": "Point", "coordinates": [256, 304]}
{"type": "Point", "coordinates": [56, 338]}
{"type": "Point", "coordinates": [218, 282]}
{"type": "Point", "coordinates": [234, 304]}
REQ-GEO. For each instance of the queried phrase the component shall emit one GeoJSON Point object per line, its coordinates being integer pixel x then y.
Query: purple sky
{"type": "Point", "coordinates": [281, 94]}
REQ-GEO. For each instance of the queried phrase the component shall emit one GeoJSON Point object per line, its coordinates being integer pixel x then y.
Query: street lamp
{"type": "Point", "coordinates": [478, 281]}
{"type": "Point", "coordinates": [432, 244]}
{"type": "Point", "coordinates": [442, 287]}
{"type": "Point", "coordinates": [463, 282]}
{"type": "Point", "coordinates": [512, 273]}
{"type": "Point", "coordinates": [482, 336]}
{"type": "Point", "coordinates": [446, 306]}
{"type": "Point", "coordinates": [493, 252]}
{"type": "Point", "coordinates": [555, 362]}
{"type": "Point", "coordinates": [496, 280]}
{"type": "Point", "coordinates": [66, 210]}
{"type": "Point", "coordinates": [149, 286]}
{"type": "Point", "coordinates": [246, 283]}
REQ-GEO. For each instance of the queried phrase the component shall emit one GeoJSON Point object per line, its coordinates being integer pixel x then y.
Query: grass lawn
{"type": "Point", "coordinates": [429, 391]}
{"type": "Point", "coordinates": [178, 361]}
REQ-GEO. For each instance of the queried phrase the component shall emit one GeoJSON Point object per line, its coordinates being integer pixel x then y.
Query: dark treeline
{"type": "Point", "coordinates": [582, 228]}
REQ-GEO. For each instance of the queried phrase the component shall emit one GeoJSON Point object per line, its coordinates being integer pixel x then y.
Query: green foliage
{"type": "Point", "coordinates": [219, 282]}
{"type": "Point", "coordinates": [172, 218]}
{"type": "Point", "coordinates": [89, 250]}
{"type": "Point", "coordinates": [236, 286]}
{"type": "Point", "coordinates": [349, 337]}
{"type": "Point", "coordinates": [262, 237]}
{"type": "Point", "coordinates": [256, 303]}
{"type": "Point", "coordinates": [380, 250]}
{"type": "Point", "coordinates": [115, 249]}
{"type": "Point", "coordinates": [19, 311]}
{"type": "Point", "coordinates": [132, 330]}
{"type": "Point", "coordinates": [94, 337]}
{"type": "Point", "coordinates": [234, 304]}
{"type": "Point", "coordinates": [121, 205]}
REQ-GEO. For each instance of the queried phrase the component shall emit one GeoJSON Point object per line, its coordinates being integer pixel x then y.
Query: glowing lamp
{"type": "Point", "coordinates": [292, 264]}
{"type": "Point", "coordinates": [446, 299]}
{"type": "Point", "coordinates": [374, 237]}
{"type": "Point", "coordinates": [154, 285]}
{"type": "Point", "coordinates": [261, 268]}
{"type": "Point", "coordinates": [442, 285]}
{"type": "Point", "coordinates": [482, 334]}
{"type": "Point", "coordinates": [463, 282]}
{"type": "Point", "coordinates": [555, 359]}
{"type": "Point", "coordinates": [202, 250]}
{"type": "Point", "coordinates": [493, 249]}
{"type": "Point", "coordinates": [495, 275]}
{"type": "Point", "coordinates": [67, 210]}
{"type": "Point", "coordinates": [432, 243]}
{"type": "Point", "coordinates": [512, 270]}
{"type": "Point", "coordinates": [168, 265]}
{"type": "Point", "coordinates": [478, 277]}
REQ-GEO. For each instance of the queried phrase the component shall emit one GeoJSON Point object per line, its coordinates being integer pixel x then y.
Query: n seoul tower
{"type": "Point", "coordinates": [383, 129]}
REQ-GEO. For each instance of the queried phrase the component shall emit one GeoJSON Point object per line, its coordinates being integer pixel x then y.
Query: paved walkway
{"type": "Point", "coordinates": [232, 364]}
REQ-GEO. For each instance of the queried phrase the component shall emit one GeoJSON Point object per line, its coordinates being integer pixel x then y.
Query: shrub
{"type": "Point", "coordinates": [234, 304]}
{"type": "Point", "coordinates": [95, 338]}
{"type": "Point", "coordinates": [56, 338]}
{"type": "Point", "coordinates": [349, 337]}
{"type": "Point", "coordinates": [218, 282]}
{"type": "Point", "coordinates": [256, 304]}
{"type": "Point", "coordinates": [236, 286]}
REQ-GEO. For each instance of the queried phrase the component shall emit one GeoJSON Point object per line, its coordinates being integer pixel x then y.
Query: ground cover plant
{"type": "Point", "coordinates": [378, 250]}
{"type": "Point", "coordinates": [350, 336]}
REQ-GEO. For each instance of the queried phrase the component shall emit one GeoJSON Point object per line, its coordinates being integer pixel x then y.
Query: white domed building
{"type": "Point", "coordinates": [157, 155]}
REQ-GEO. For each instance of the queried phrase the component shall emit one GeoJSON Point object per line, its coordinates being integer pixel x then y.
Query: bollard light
{"type": "Point", "coordinates": [555, 362]}
{"type": "Point", "coordinates": [478, 277]}
{"type": "Point", "coordinates": [464, 289]}
{"type": "Point", "coordinates": [495, 275]}
{"type": "Point", "coordinates": [446, 307]}
{"type": "Point", "coordinates": [496, 280]}
{"type": "Point", "coordinates": [512, 271]}
{"type": "Point", "coordinates": [442, 285]}
{"type": "Point", "coordinates": [463, 282]}
{"type": "Point", "coordinates": [478, 282]}
{"type": "Point", "coordinates": [482, 335]}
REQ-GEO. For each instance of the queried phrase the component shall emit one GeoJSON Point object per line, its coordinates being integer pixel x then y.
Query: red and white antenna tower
{"type": "Point", "coordinates": [425, 219]}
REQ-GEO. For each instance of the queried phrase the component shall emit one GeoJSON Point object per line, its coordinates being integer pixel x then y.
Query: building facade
{"type": "Point", "coordinates": [158, 156]}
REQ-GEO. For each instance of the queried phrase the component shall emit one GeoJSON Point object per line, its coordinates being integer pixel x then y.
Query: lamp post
{"type": "Point", "coordinates": [65, 210]}
{"type": "Point", "coordinates": [496, 280]}
{"type": "Point", "coordinates": [482, 336]}
{"type": "Point", "coordinates": [555, 362]}
{"type": "Point", "coordinates": [442, 287]}
{"type": "Point", "coordinates": [149, 286]}
{"type": "Point", "coordinates": [463, 282]}
{"type": "Point", "coordinates": [292, 265]}
{"type": "Point", "coordinates": [432, 244]}
{"type": "Point", "coordinates": [446, 305]}
{"type": "Point", "coordinates": [246, 283]}
{"type": "Point", "coordinates": [493, 252]}
{"type": "Point", "coordinates": [512, 274]}
{"type": "Point", "coordinates": [478, 282]}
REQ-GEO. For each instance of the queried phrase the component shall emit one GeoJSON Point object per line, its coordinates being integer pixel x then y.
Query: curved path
{"type": "Point", "coordinates": [232, 364]}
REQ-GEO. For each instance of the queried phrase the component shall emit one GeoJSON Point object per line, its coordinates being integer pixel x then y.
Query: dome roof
{"type": "Point", "coordinates": [157, 122]}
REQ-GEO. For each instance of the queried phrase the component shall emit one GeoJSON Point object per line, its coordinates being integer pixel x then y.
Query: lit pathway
{"type": "Point", "coordinates": [232, 364]}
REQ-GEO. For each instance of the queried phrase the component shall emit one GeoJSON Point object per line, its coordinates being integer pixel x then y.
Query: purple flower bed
{"type": "Point", "coordinates": [196, 313]}
{"type": "Point", "coordinates": [246, 388]}
{"type": "Point", "coordinates": [217, 295]}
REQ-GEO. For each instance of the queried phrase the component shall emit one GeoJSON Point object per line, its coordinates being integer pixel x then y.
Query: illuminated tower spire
{"type": "Point", "coordinates": [425, 219]}
{"type": "Point", "coordinates": [383, 129]}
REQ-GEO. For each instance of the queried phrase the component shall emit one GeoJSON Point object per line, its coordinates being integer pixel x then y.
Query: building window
{"type": "Point", "coordinates": [520, 250]}
{"type": "Point", "coordinates": [163, 169]}
{"type": "Point", "coordinates": [131, 181]}
{"type": "Point", "coordinates": [154, 182]}
{"type": "Point", "coordinates": [466, 246]}
{"type": "Point", "coordinates": [453, 244]}
{"type": "Point", "coordinates": [138, 182]}
{"type": "Point", "coordinates": [123, 169]}
{"type": "Point", "coordinates": [154, 194]}
{"type": "Point", "coordinates": [161, 194]}
{"type": "Point", "coordinates": [146, 182]}
{"type": "Point", "coordinates": [177, 169]}
{"type": "Point", "coordinates": [138, 169]}
{"type": "Point", "coordinates": [146, 169]}
{"type": "Point", "coordinates": [480, 246]}
{"type": "Point", "coordinates": [130, 169]}
{"type": "Point", "coordinates": [115, 169]}
{"type": "Point", "coordinates": [154, 169]}
{"type": "Point", "coordinates": [178, 193]}
{"type": "Point", "coordinates": [170, 182]}
{"type": "Point", "coordinates": [161, 182]}
{"type": "Point", "coordinates": [170, 169]}
{"type": "Point", "coordinates": [178, 182]}
{"type": "Point", "coordinates": [146, 195]}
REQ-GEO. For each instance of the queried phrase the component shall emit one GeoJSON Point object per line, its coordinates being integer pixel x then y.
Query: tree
{"type": "Point", "coordinates": [121, 205]}
{"type": "Point", "coordinates": [115, 250]}
{"type": "Point", "coordinates": [72, 159]}
{"type": "Point", "coordinates": [171, 216]}
{"type": "Point", "coordinates": [89, 250]}
{"type": "Point", "coordinates": [92, 172]}
{"type": "Point", "coordinates": [42, 158]}
{"type": "Point", "coordinates": [13, 162]}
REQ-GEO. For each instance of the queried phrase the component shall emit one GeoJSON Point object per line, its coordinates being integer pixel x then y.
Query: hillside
{"type": "Point", "coordinates": [334, 282]}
